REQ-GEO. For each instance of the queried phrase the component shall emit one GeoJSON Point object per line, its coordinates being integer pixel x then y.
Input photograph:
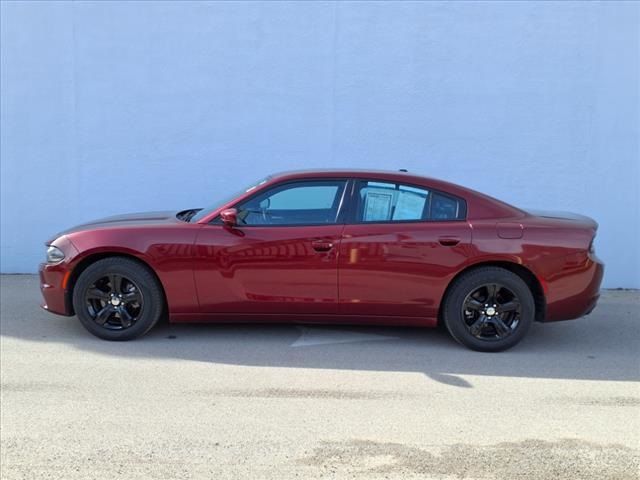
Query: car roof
{"type": "Point", "coordinates": [479, 205]}
{"type": "Point", "coordinates": [399, 175]}
{"type": "Point", "coordinates": [346, 172]}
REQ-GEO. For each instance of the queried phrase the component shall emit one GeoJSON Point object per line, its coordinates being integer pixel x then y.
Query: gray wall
{"type": "Point", "coordinates": [113, 107]}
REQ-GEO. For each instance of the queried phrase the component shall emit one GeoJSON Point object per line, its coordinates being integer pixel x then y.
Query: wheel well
{"type": "Point", "coordinates": [523, 272]}
{"type": "Point", "coordinates": [85, 262]}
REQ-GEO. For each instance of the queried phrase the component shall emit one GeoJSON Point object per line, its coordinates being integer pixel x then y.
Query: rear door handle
{"type": "Point", "coordinates": [449, 241]}
{"type": "Point", "coordinates": [322, 245]}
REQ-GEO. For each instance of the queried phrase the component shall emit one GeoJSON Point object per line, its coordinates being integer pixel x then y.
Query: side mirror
{"type": "Point", "coordinates": [229, 217]}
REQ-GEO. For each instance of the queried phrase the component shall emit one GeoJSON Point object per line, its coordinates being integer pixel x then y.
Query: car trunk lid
{"type": "Point", "coordinates": [570, 217]}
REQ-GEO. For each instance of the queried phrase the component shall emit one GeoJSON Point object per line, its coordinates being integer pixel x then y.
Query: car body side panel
{"type": "Point", "coordinates": [262, 269]}
{"type": "Point", "coordinates": [400, 268]}
{"type": "Point", "coordinates": [395, 270]}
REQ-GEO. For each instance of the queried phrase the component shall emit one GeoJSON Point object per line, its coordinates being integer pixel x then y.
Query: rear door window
{"type": "Point", "coordinates": [381, 202]}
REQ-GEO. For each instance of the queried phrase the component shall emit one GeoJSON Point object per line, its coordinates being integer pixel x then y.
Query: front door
{"type": "Point", "coordinates": [280, 258]}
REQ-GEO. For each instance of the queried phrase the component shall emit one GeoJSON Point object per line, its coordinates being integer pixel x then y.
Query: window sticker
{"type": "Point", "coordinates": [377, 206]}
{"type": "Point", "coordinates": [409, 207]}
{"type": "Point", "coordinates": [419, 191]}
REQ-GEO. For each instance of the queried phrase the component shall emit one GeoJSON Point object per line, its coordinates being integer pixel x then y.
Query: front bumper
{"type": "Point", "coordinates": [54, 280]}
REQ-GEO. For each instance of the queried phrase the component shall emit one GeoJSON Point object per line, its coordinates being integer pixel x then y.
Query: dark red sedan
{"type": "Point", "coordinates": [344, 247]}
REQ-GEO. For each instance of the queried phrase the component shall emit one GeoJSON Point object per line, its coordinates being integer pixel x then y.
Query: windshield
{"type": "Point", "coordinates": [207, 210]}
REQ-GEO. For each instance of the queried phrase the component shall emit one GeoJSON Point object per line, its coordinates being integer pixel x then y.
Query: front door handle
{"type": "Point", "coordinates": [322, 245]}
{"type": "Point", "coordinates": [449, 241]}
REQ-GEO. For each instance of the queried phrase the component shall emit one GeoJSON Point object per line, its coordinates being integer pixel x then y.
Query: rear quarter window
{"type": "Point", "coordinates": [445, 207]}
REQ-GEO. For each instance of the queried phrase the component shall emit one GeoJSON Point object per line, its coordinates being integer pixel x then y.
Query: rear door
{"type": "Point", "coordinates": [282, 255]}
{"type": "Point", "coordinates": [400, 248]}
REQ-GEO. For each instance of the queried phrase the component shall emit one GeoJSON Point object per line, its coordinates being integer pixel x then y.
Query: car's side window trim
{"type": "Point", "coordinates": [348, 202]}
{"type": "Point", "coordinates": [341, 217]}
{"type": "Point", "coordinates": [461, 202]}
{"type": "Point", "coordinates": [342, 203]}
{"type": "Point", "coordinates": [352, 218]}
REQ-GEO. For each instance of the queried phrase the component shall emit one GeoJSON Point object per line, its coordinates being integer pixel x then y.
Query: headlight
{"type": "Point", "coordinates": [54, 254]}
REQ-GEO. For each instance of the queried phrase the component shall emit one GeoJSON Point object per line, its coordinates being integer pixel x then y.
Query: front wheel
{"type": "Point", "coordinates": [489, 309]}
{"type": "Point", "coordinates": [117, 299]}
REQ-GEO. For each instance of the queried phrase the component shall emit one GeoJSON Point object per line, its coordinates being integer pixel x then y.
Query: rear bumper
{"type": "Point", "coordinates": [576, 292]}
{"type": "Point", "coordinates": [53, 280]}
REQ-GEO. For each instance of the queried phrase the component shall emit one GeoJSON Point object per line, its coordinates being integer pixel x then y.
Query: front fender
{"type": "Point", "coordinates": [167, 252]}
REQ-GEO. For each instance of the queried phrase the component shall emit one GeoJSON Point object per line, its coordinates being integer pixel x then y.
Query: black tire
{"type": "Point", "coordinates": [118, 299]}
{"type": "Point", "coordinates": [484, 326]}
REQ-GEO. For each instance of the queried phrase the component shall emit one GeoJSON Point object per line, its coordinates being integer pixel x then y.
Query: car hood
{"type": "Point", "coordinates": [130, 219]}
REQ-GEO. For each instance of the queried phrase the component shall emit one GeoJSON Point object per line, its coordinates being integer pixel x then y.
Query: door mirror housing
{"type": "Point", "coordinates": [229, 217]}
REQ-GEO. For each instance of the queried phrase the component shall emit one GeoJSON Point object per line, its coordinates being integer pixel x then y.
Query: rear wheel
{"type": "Point", "coordinates": [117, 299]}
{"type": "Point", "coordinates": [489, 309]}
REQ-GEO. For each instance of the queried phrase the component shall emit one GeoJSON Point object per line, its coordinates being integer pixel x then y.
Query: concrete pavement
{"type": "Point", "coordinates": [276, 402]}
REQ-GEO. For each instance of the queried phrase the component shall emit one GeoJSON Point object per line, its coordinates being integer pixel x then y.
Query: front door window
{"type": "Point", "coordinates": [297, 203]}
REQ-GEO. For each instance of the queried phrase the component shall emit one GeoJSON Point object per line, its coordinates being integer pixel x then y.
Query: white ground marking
{"type": "Point", "coordinates": [322, 336]}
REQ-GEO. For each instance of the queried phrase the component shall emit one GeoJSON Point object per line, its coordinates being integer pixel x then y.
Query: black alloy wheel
{"type": "Point", "coordinates": [118, 298]}
{"type": "Point", "coordinates": [114, 302]}
{"type": "Point", "coordinates": [488, 309]}
{"type": "Point", "coordinates": [491, 312]}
